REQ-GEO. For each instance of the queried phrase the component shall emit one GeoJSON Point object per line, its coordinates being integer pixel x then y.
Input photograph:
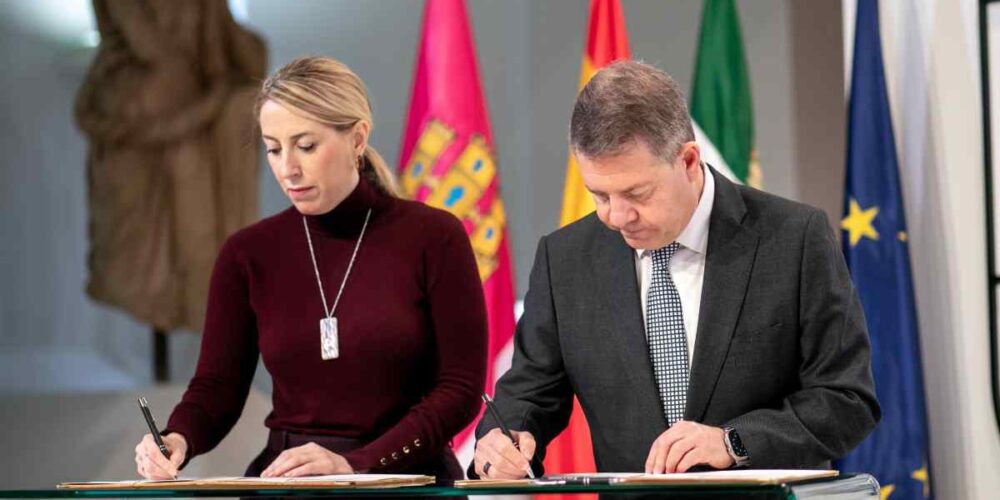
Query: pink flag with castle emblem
{"type": "Point", "coordinates": [448, 161]}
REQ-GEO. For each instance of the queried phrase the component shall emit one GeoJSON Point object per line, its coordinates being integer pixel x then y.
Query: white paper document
{"type": "Point", "coordinates": [725, 477]}
{"type": "Point", "coordinates": [331, 481]}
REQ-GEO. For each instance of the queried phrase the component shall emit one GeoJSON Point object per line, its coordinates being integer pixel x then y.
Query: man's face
{"type": "Point", "coordinates": [647, 199]}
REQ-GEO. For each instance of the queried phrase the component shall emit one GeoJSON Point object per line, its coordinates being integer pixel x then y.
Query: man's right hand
{"type": "Point", "coordinates": [506, 461]}
{"type": "Point", "coordinates": [150, 462]}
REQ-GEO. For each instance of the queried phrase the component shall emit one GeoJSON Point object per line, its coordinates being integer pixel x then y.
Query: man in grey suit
{"type": "Point", "coordinates": [699, 322]}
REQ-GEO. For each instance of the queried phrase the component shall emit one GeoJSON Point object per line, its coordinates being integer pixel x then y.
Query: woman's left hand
{"type": "Point", "coordinates": [307, 460]}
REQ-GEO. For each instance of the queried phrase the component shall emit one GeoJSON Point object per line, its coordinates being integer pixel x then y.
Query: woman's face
{"type": "Point", "coordinates": [315, 165]}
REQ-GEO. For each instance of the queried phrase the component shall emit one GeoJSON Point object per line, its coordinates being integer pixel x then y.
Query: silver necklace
{"type": "Point", "coordinates": [328, 339]}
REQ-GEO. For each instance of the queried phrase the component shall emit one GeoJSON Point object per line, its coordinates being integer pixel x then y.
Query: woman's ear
{"type": "Point", "coordinates": [360, 136]}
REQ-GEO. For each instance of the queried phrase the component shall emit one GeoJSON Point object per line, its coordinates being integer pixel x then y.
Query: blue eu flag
{"type": "Point", "coordinates": [875, 245]}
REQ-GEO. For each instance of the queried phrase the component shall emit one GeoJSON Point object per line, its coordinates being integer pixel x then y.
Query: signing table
{"type": "Point", "coordinates": [839, 486]}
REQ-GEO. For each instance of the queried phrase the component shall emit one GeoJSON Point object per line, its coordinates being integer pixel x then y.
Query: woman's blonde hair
{"type": "Point", "coordinates": [327, 91]}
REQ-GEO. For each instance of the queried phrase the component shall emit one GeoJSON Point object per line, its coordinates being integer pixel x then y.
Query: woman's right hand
{"type": "Point", "coordinates": [150, 462]}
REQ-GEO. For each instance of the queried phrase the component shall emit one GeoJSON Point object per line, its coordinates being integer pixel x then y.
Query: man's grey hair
{"type": "Point", "coordinates": [625, 103]}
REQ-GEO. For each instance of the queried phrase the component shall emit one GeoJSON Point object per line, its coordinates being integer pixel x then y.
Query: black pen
{"type": "Point", "coordinates": [576, 481]}
{"type": "Point", "coordinates": [503, 427]}
{"type": "Point", "coordinates": [152, 427]}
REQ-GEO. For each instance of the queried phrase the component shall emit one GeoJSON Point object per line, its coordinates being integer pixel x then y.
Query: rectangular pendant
{"type": "Point", "coordinates": [329, 343]}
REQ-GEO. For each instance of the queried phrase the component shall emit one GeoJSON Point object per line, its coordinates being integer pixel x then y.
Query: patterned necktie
{"type": "Point", "coordinates": [666, 337]}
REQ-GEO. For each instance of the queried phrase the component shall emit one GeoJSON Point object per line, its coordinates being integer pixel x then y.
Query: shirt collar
{"type": "Point", "coordinates": [695, 234]}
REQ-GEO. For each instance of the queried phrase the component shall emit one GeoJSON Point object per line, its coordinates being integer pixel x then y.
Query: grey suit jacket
{"type": "Point", "coordinates": [781, 353]}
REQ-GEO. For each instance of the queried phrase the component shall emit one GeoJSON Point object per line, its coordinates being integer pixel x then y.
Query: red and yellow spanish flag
{"type": "Point", "coordinates": [448, 161]}
{"type": "Point", "coordinates": [607, 42]}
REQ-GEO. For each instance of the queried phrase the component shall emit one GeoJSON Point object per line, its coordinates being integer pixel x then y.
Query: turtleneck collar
{"type": "Point", "coordinates": [348, 216]}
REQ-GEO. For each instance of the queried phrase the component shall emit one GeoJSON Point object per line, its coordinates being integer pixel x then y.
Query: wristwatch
{"type": "Point", "coordinates": [734, 445]}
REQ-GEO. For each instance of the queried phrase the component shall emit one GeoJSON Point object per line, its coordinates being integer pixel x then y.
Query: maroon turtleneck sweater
{"type": "Point", "coordinates": [412, 325]}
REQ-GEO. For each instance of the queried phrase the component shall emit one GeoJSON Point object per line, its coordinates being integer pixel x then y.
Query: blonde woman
{"type": "Point", "coordinates": [367, 309]}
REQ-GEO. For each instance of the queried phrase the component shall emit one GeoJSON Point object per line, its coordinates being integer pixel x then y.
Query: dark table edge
{"type": "Point", "coordinates": [433, 490]}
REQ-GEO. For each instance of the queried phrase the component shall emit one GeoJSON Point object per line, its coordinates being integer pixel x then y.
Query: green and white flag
{"type": "Point", "coordinates": [720, 96]}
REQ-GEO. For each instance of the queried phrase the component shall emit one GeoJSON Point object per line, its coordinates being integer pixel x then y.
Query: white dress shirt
{"type": "Point", "coordinates": [687, 267]}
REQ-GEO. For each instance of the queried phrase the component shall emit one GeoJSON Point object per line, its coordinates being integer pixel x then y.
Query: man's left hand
{"type": "Point", "coordinates": [686, 444]}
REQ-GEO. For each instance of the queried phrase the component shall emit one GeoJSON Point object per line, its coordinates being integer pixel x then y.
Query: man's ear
{"type": "Point", "coordinates": [691, 155]}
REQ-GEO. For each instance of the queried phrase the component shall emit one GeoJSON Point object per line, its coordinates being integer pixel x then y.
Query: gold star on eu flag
{"type": "Point", "coordinates": [922, 476]}
{"type": "Point", "coordinates": [858, 223]}
{"type": "Point", "coordinates": [886, 491]}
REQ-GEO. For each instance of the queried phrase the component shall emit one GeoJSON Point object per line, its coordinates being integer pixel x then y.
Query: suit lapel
{"type": "Point", "coordinates": [729, 258]}
{"type": "Point", "coordinates": [619, 290]}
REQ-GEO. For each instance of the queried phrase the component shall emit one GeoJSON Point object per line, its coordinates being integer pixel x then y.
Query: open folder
{"type": "Point", "coordinates": [251, 483]}
{"type": "Point", "coordinates": [723, 477]}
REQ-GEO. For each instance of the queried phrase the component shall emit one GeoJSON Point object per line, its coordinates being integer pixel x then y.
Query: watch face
{"type": "Point", "coordinates": [737, 443]}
